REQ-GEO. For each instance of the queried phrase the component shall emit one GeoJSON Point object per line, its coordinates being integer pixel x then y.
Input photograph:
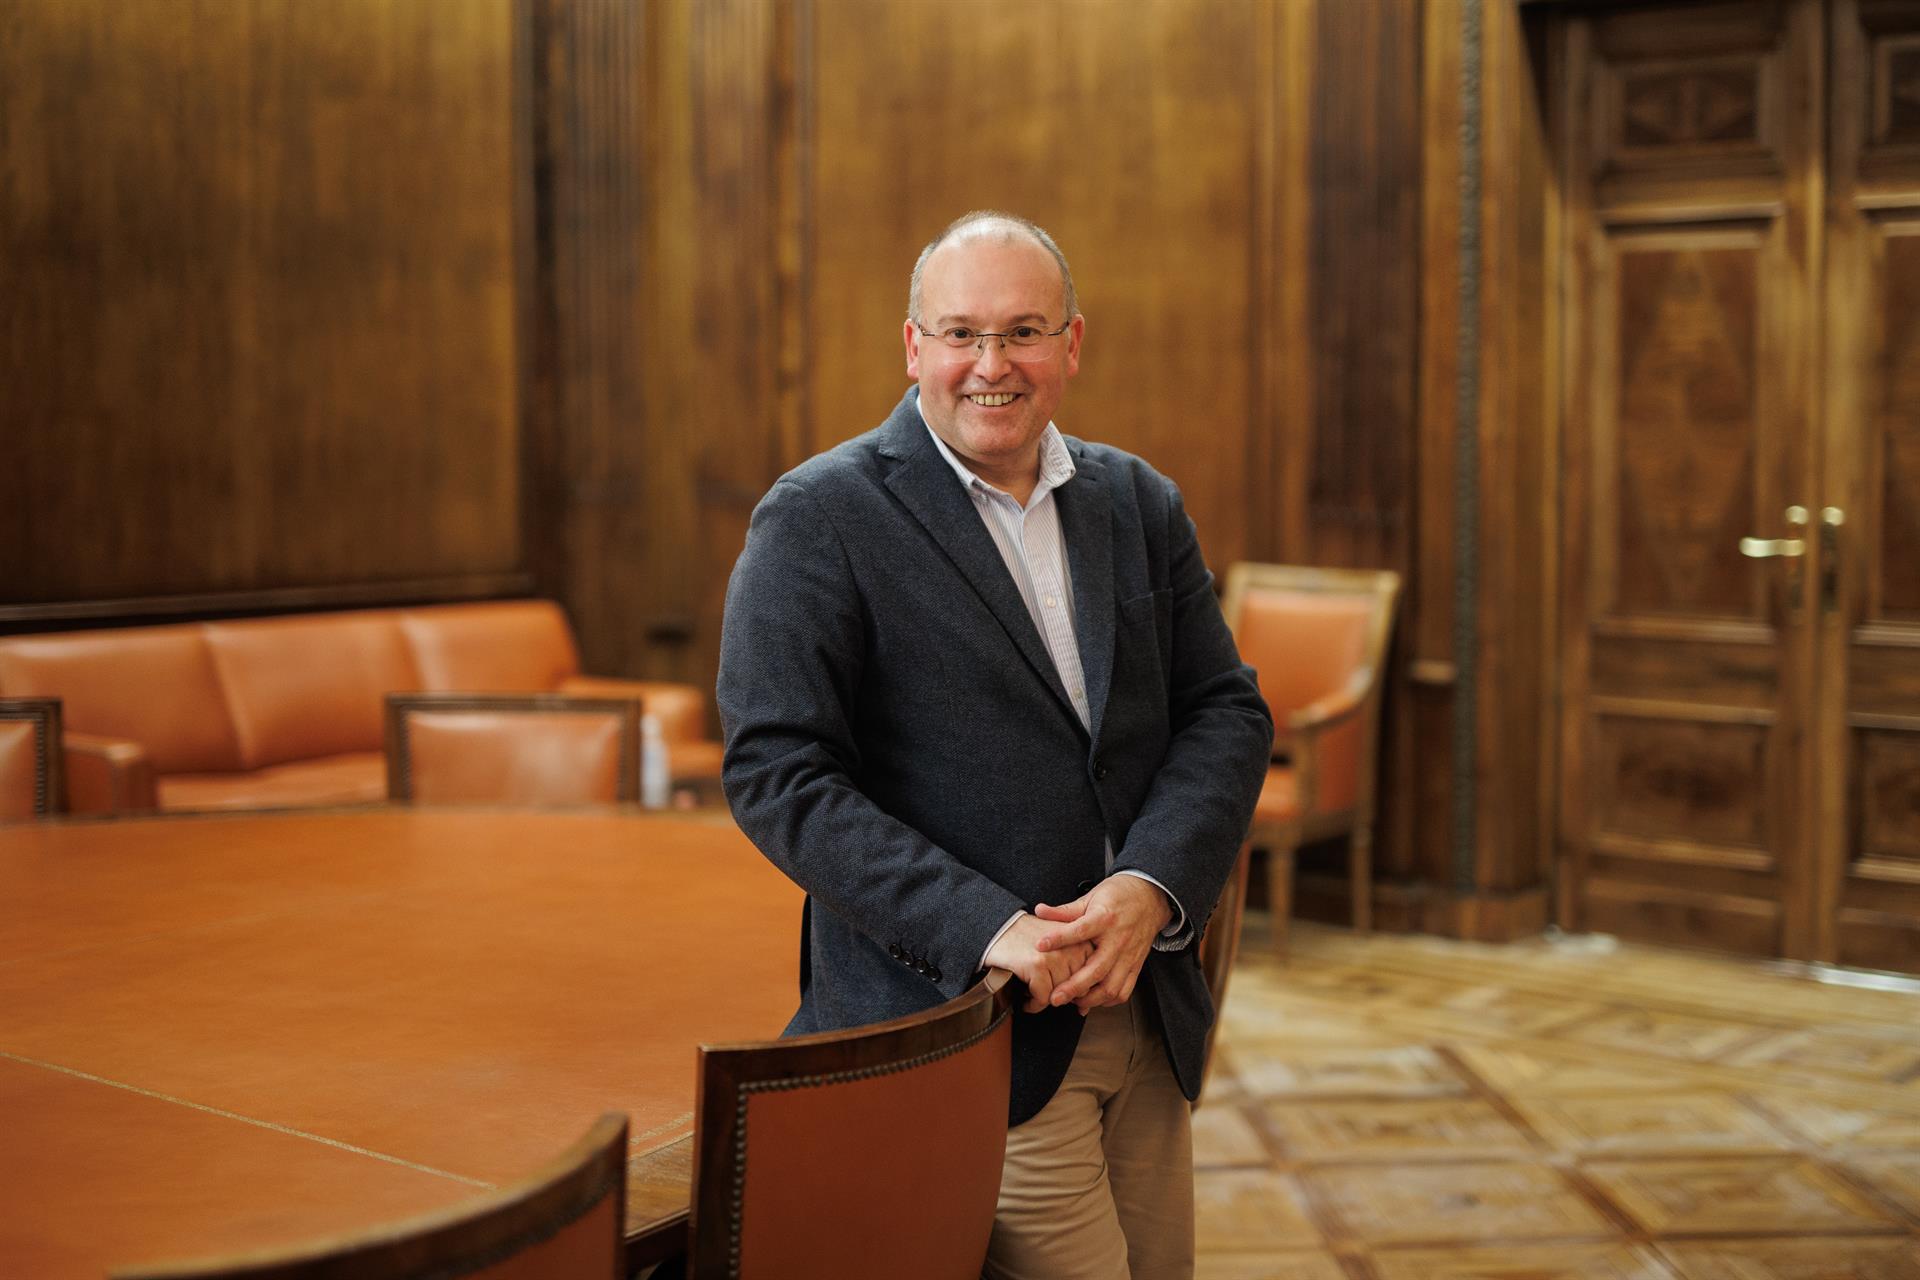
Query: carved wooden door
{"type": "Point", "coordinates": [1868, 589]}
{"type": "Point", "coordinates": [1691, 171]}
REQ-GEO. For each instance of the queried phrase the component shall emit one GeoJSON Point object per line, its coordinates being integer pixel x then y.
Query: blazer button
{"type": "Point", "coordinates": [1099, 772]}
{"type": "Point", "coordinates": [893, 949]}
{"type": "Point", "coordinates": [933, 972]}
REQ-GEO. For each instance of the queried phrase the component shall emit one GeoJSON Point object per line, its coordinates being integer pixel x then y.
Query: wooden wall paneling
{"type": "Point", "coordinates": [1131, 142]}
{"type": "Point", "coordinates": [253, 262]}
{"type": "Point", "coordinates": [1515, 596]}
{"type": "Point", "coordinates": [919, 113]}
{"type": "Point", "coordinates": [1347, 432]}
{"type": "Point", "coordinates": [1279, 468]}
{"type": "Point", "coordinates": [1365, 181]}
{"type": "Point", "coordinates": [667, 193]}
{"type": "Point", "coordinates": [1869, 592]}
{"type": "Point", "coordinates": [1424, 853]}
{"type": "Point", "coordinates": [1485, 487]}
{"type": "Point", "coordinates": [589, 464]}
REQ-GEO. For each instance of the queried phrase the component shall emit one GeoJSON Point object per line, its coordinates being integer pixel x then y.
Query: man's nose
{"type": "Point", "coordinates": [990, 360]}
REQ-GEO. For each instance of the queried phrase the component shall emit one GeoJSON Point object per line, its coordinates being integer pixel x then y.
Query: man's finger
{"type": "Point", "coordinates": [1083, 978]}
{"type": "Point", "coordinates": [1062, 913]}
{"type": "Point", "coordinates": [1085, 929]}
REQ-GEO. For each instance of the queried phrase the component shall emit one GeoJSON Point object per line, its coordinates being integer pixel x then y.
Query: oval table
{"type": "Point", "coordinates": [229, 1033]}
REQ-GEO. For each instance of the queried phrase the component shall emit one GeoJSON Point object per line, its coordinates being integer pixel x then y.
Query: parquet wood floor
{"type": "Point", "coordinates": [1404, 1108]}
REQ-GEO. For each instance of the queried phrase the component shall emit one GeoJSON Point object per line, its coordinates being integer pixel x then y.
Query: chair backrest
{"type": "Point", "coordinates": [30, 772]}
{"type": "Point", "coordinates": [874, 1152]}
{"type": "Point", "coordinates": [1311, 633]}
{"type": "Point", "coordinates": [566, 1221]}
{"type": "Point", "coordinates": [542, 749]}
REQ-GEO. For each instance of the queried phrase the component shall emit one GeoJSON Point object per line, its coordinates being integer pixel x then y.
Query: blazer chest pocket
{"type": "Point", "coordinates": [1149, 615]}
{"type": "Point", "coordinates": [1151, 607]}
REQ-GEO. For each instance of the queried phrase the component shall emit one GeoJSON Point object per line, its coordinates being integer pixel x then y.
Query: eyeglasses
{"type": "Point", "coordinates": [1019, 339]}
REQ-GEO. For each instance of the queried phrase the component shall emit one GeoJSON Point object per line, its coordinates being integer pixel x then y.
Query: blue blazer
{"type": "Point", "coordinates": [899, 743]}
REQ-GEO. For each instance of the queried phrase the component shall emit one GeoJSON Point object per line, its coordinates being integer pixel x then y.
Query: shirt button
{"type": "Point", "coordinates": [1053, 602]}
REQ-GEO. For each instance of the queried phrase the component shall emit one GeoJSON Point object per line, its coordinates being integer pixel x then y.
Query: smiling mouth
{"type": "Point", "coordinates": [993, 400]}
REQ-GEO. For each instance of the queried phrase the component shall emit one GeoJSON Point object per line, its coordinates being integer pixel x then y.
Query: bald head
{"type": "Point", "coordinates": [985, 224]}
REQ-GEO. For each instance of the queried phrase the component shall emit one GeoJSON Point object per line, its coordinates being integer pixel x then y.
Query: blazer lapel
{"type": "Point", "coordinates": [928, 489]}
{"type": "Point", "coordinates": [1086, 521]}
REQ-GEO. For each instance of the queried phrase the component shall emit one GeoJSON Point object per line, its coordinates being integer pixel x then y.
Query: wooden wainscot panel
{"type": "Point", "coordinates": [1695, 782]}
{"type": "Point", "coordinates": [1891, 523]}
{"type": "Point", "coordinates": [1886, 773]}
{"type": "Point", "coordinates": [1883, 672]}
{"type": "Point", "coordinates": [1671, 914]}
{"type": "Point", "coordinates": [1727, 674]}
{"type": "Point", "coordinates": [1684, 424]}
{"type": "Point", "coordinates": [1686, 102]}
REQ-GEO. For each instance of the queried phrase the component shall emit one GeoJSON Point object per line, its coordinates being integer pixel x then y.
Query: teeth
{"type": "Point", "coordinates": [993, 401]}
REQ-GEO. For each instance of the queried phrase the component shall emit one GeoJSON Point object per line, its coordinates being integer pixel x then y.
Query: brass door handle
{"type": "Point", "coordinates": [1763, 548]}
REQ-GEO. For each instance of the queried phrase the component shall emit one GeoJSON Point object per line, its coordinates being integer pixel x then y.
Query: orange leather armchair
{"type": "Point", "coordinates": [30, 772]}
{"type": "Point", "coordinates": [460, 748]}
{"type": "Point", "coordinates": [285, 712]}
{"type": "Point", "coordinates": [565, 1220]}
{"type": "Point", "coordinates": [798, 1148]}
{"type": "Point", "coordinates": [1318, 638]}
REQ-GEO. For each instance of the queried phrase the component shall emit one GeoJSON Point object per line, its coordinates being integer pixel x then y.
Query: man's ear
{"type": "Point", "coordinates": [910, 334]}
{"type": "Point", "coordinates": [1075, 332]}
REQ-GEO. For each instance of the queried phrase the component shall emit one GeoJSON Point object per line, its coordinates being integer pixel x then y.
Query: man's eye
{"type": "Point", "coordinates": [958, 335]}
{"type": "Point", "coordinates": [1024, 332]}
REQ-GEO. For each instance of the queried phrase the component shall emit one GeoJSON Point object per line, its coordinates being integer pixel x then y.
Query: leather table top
{"type": "Point", "coordinates": [228, 1033]}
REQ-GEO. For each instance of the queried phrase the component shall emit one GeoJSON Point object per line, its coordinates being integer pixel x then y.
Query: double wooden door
{"type": "Point", "coordinates": [1739, 205]}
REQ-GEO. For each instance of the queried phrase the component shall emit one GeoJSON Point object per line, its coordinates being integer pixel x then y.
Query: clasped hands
{"type": "Point", "coordinates": [1087, 952]}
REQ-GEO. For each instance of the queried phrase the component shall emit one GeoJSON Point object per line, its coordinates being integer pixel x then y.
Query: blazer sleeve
{"type": "Point", "coordinates": [1189, 829]}
{"type": "Point", "coordinates": [792, 648]}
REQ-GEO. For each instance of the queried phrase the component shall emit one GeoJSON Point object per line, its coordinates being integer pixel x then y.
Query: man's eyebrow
{"type": "Point", "coordinates": [1023, 318]}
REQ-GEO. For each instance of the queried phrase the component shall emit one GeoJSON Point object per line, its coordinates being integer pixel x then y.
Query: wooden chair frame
{"type": "Point", "coordinates": [1219, 946]}
{"type": "Point", "coordinates": [453, 1242]}
{"type": "Point", "coordinates": [49, 770]}
{"type": "Point", "coordinates": [730, 1073]}
{"type": "Point", "coordinates": [1298, 734]}
{"type": "Point", "coordinates": [402, 705]}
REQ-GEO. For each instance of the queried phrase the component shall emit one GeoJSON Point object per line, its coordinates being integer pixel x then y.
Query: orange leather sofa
{"type": "Point", "coordinates": [281, 712]}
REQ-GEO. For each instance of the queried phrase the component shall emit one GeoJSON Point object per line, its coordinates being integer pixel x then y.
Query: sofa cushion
{"type": "Point", "coordinates": [154, 685]}
{"type": "Point", "coordinates": [508, 646]}
{"type": "Point", "coordinates": [304, 687]}
{"type": "Point", "coordinates": [358, 777]}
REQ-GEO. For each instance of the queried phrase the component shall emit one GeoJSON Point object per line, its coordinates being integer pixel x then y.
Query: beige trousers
{"type": "Point", "coordinates": [1099, 1185]}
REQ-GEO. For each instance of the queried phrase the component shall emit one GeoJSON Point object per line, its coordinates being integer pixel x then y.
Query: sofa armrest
{"type": "Point", "coordinates": [680, 708]}
{"type": "Point", "coordinates": [108, 775]}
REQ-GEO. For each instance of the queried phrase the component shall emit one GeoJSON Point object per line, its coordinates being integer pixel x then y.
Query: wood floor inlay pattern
{"type": "Point", "coordinates": [1396, 1108]}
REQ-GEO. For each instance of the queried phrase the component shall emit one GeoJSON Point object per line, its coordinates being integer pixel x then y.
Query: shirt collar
{"type": "Point", "coordinates": [1056, 463]}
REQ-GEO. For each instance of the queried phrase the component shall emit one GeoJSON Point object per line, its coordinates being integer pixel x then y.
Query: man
{"type": "Point", "coordinates": [981, 705]}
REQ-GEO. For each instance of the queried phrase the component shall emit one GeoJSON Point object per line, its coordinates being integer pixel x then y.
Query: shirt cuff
{"type": "Point", "coordinates": [1176, 935]}
{"type": "Point", "coordinates": [998, 934]}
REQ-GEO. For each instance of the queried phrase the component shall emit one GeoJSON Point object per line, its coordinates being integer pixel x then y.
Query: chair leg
{"type": "Point", "coordinates": [1280, 891]}
{"type": "Point", "coordinates": [1360, 873]}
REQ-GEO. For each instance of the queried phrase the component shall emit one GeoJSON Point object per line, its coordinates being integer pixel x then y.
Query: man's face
{"type": "Point", "coordinates": [991, 405]}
